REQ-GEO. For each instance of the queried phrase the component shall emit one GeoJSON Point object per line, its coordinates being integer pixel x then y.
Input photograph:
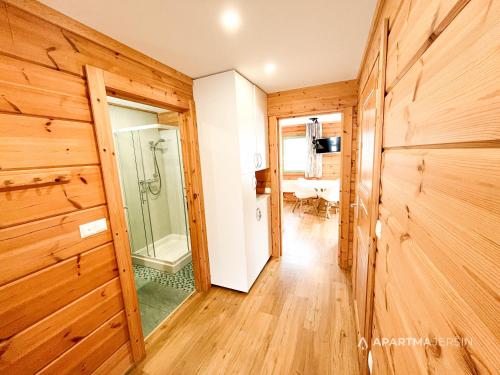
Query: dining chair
{"type": "Point", "coordinates": [304, 194]}
{"type": "Point", "coordinates": [332, 197]}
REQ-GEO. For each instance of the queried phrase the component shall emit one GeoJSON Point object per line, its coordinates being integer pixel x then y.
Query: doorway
{"type": "Point", "coordinates": [150, 169]}
{"type": "Point", "coordinates": [310, 161]}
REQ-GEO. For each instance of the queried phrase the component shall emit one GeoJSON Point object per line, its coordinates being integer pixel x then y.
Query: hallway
{"type": "Point", "coordinates": [297, 319]}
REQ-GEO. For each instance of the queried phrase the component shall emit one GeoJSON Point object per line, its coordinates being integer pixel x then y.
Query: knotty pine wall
{"type": "Point", "coordinates": [331, 162]}
{"type": "Point", "coordinates": [437, 260]}
{"type": "Point", "coordinates": [61, 305]}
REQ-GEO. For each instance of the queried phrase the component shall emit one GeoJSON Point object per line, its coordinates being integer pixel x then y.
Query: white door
{"type": "Point", "coordinates": [249, 184]}
{"type": "Point", "coordinates": [262, 236]}
{"type": "Point", "coordinates": [261, 129]}
{"type": "Point", "coordinates": [245, 103]}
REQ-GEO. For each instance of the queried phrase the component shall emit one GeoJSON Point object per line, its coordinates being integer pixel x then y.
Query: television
{"type": "Point", "coordinates": [327, 145]}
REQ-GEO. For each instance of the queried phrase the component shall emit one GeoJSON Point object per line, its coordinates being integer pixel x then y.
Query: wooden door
{"type": "Point", "coordinates": [364, 207]}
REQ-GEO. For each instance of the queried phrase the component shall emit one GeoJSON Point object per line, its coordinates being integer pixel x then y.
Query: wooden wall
{"type": "Point", "coordinates": [61, 304]}
{"type": "Point", "coordinates": [326, 98]}
{"type": "Point", "coordinates": [437, 260]}
{"type": "Point", "coordinates": [331, 162]}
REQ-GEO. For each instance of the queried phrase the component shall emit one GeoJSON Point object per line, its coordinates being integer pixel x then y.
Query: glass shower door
{"type": "Point", "coordinates": [151, 172]}
{"type": "Point", "coordinates": [134, 192]}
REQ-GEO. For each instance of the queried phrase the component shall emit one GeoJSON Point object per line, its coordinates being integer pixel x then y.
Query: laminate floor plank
{"type": "Point", "coordinates": [298, 317]}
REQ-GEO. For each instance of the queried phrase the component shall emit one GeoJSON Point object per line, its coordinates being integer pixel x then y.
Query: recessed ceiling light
{"type": "Point", "coordinates": [270, 68]}
{"type": "Point", "coordinates": [230, 20]}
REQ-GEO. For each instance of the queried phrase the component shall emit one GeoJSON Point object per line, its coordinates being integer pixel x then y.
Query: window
{"type": "Point", "coordinates": [294, 154]}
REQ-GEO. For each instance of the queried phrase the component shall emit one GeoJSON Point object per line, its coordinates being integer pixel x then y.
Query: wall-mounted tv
{"type": "Point", "coordinates": [327, 145]}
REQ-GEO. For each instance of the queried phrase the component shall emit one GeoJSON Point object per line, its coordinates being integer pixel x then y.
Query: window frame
{"type": "Point", "coordinates": [283, 139]}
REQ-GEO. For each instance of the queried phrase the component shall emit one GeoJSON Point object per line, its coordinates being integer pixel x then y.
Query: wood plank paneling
{"type": "Point", "coordinates": [123, 87]}
{"type": "Point", "coordinates": [57, 18]}
{"type": "Point", "coordinates": [345, 189]}
{"type": "Point", "coordinates": [442, 310]}
{"type": "Point", "coordinates": [413, 32]}
{"type": "Point", "coordinates": [27, 300]}
{"type": "Point", "coordinates": [354, 165]}
{"type": "Point", "coordinates": [436, 273]}
{"type": "Point", "coordinates": [455, 81]}
{"type": "Point", "coordinates": [310, 100]}
{"type": "Point", "coordinates": [40, 344]}
{"type": "Point", "coordinates": [386, 9]}
{"type": "Point", "coordinates": [35, 90]}
{"type": "Point", "coordinates": [111, 179]}
{"type": "Point", "coordinates": [51, 182]}
{"type": "Point", "coordinates": [34, 39]}
{"type": "Point", "coordinates": [194, 190]}
{"type": "Point", "coordinates": [456, 189]}
{"type": "Point", "coordinates": [275, 175]}
{"type": "Point", "coordinates": [118, 363]}
{"type": "Point", "coordinates": [93, 350]}
{"type": "Point", "coordinates": [169, 118]}
{"type": "Point", "coordinates": [46, 242]}
{"type": "Point", "coordinates": [60, 191]}
{"type": "Point", "coordinates": [37, 142]}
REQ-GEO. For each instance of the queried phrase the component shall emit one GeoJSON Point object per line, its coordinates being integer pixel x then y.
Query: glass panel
{"type": "Point", "coordinates": [131, 190]}
{"type": "Point", "coordinates": [173, 166]}
{"type": "Point", "coordinates": [167, 208]}
{"type": "Point", "coordinates": [148, 248]}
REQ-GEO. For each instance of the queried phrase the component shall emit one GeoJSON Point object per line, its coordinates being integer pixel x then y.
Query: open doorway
{"type": "Point", "coordinates": [310, 161]}
{"type": "Point", "coordinates": [150, 168]}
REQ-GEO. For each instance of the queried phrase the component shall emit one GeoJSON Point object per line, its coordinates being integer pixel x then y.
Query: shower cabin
{"type": "Point", "coordinates": [151, 174]}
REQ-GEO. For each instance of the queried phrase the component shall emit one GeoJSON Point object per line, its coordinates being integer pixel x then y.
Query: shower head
{"type": "Point", "coordinates": [154, 144]}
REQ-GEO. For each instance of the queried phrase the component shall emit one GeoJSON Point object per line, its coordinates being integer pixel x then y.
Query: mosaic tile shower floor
{"type": "Point", "coordinates": [159, 293]}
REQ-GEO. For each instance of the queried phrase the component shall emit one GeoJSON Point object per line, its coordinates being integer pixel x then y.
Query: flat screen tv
{"type": "Point", "coordinates": [327, 145]}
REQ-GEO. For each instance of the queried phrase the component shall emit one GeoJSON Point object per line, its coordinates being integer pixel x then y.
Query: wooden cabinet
{"type": "Point", "coordinates": [232, 126]}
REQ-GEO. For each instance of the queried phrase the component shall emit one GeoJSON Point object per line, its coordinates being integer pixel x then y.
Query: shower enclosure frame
{"type": "Point", "coordinates": [100, 84]}
{"type": "Point", "coordinates": [138, 256]}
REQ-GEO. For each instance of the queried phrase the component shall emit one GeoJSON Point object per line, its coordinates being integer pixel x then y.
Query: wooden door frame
{"type": "Point", "coordinates": [100, 84]}
{"type": "Point", "coordinates": [375, 199]}
{"type": "Point", "coordinates": [276, 178]}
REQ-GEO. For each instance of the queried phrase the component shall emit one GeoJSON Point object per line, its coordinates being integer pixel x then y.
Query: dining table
{"type": "Point", "coordinates": [320, 185]}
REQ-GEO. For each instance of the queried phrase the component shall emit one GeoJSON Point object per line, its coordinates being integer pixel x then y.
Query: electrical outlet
{"type": "Point", "coordinates": [94, 227]}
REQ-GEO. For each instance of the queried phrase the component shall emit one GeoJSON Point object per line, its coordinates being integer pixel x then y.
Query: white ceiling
{"type": "Point", "coordinates": [310, 41]}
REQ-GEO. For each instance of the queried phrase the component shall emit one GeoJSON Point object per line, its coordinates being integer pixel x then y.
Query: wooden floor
{"type": "Point", "coordinates": [297, 319]}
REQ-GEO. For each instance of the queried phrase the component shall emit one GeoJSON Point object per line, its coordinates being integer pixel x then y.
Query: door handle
{"type": "Point", "coordinates": [258, 214]}
{"type": "Point", "coordinates": [353, 205]}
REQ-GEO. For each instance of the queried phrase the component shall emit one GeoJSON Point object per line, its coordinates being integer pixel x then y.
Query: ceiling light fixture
{"type": "Point", "coordinates": [230, 20]}
{"type": "Point", "coordinates": [270, 68]}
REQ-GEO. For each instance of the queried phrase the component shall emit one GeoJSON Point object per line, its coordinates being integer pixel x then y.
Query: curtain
{"type": "Point", "coordinates": [314, 164]}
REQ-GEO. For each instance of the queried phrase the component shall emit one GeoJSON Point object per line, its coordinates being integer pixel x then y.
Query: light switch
{"type": "Point", "coordinates": [94, 227]}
